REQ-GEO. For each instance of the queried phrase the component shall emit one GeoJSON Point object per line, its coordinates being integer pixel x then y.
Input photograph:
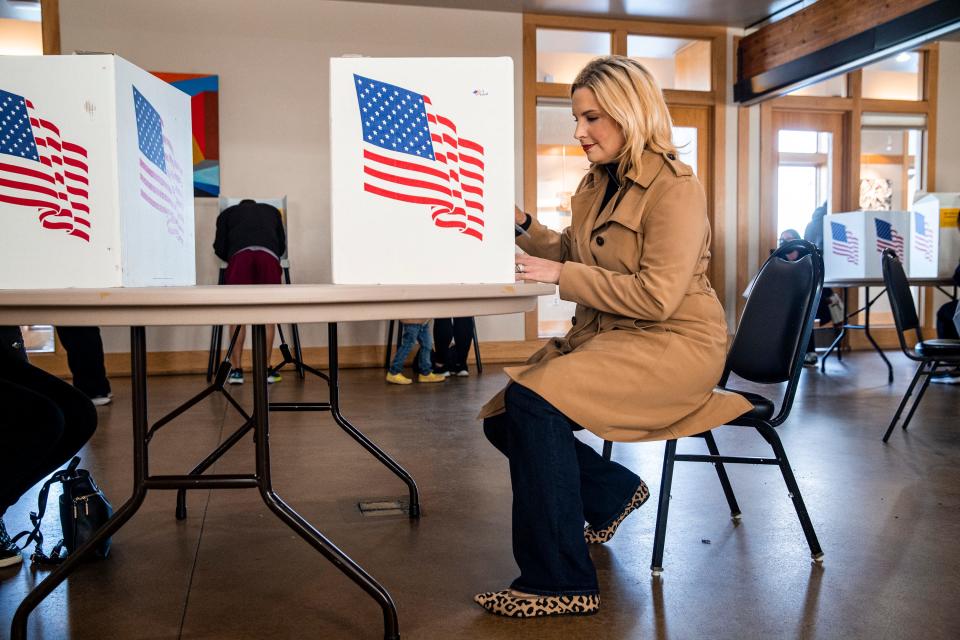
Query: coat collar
{"type": "Point", "coordinates": [650, 165]}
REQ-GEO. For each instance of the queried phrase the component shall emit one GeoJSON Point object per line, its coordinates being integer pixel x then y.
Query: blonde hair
{"type": "Point", "coordinates": [628, 93]}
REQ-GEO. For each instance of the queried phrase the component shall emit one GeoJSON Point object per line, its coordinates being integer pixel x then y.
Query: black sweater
{"type": "Point", "coordinates": [249, 224]}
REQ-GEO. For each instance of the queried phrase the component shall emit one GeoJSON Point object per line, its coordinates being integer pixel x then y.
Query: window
{"type": "Point", "coordinates": [835, 87]}
{"type": "Point", "coordinates": [892, 163]}
{"type": "Point", "coordinates": [562, 53]}
{"type": "Point", "coordinates": [896, 78]}
{"type": "Point", "coordinates": [803, 176]}
{"type": "Point", "coordinates": [676, 63]}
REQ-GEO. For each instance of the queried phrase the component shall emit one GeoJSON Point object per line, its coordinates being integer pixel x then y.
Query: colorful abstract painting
{"type": "Point", "coordinates": [204, 92]}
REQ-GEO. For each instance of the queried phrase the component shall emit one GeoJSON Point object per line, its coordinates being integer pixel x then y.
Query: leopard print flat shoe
{"type": "Point", "coordinates": [505, 603]}
{"type": "Point", "coordinates": [603, 535]}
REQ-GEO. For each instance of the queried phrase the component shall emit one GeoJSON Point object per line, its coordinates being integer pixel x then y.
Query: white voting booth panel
{"type": "Point", "coordinates": [853, 242]}
{"type": "Point", "coordinates": [924, 238]}
{"type": "Point", "coordinates": [948, 249]}
{"type": "Point", "coordinates": [422, 170]}
{"type": "Point", "coordinates": [95, 179]}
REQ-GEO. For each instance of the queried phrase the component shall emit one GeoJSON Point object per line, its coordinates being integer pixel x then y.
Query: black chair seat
{"type": "Point", "coordinates": [938, 347]}
{"type": "Point", "coordinates": [762, 408]}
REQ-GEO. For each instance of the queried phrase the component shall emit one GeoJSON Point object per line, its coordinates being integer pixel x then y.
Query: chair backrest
{"type": "Point", "coordinates": [777, 320]}
{"type": "Point", "coordinates": [898, 292]}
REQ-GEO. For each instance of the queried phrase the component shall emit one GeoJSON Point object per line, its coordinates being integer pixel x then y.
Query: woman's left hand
{"type": "Point", "coordinates": [537, 269]}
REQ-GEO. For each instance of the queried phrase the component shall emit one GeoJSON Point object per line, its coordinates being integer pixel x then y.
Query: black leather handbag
{"type": "Point", "coordinates": [83, 510]}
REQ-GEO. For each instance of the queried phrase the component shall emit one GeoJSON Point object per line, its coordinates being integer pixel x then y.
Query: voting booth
{"type": "Point", "coordinates": [95, 175]}
{"type": "Point", "coordinates": [853, 242]}
{"type": "Point", "coordinates": [942, 210]}
{"type": "Point", "coordinates": [422, 171]}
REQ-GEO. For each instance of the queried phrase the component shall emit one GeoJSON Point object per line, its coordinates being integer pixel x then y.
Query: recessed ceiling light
{"type": "Point", "coordinates": [903, 57]}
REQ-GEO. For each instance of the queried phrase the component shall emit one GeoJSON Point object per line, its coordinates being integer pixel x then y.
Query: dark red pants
{"type": "Point", "coordinates": [249, 266]}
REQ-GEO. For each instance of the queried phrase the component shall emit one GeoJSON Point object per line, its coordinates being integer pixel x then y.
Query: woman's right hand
{"type": "Point", "coordinates": [519, 217]}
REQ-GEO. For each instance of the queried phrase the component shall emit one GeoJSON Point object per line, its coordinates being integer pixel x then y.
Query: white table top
{"type": "Point", "coordinates": [262, 304]}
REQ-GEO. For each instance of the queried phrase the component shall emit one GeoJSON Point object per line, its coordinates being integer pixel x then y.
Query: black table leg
{"type": "Point", "coordinates": [261, 418]}
{"type": "Point", "coordinates": [866, 330]}
{"type": "Point", "coordinates": [138, 361]}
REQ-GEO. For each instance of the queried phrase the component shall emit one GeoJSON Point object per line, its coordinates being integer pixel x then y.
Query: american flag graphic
{"type": "Point", "coordinates": [845, 243]}
{"type": "Point", "coordinates": [888, 238]}
{"type": "Point", "coordinates": [41, 170]}
{"type": "Point", "coordinates": [923, 235]}
{"type": "Point", "coordinates": [413, 154]}
{"type": "Point", "coordinates": [161, 178]}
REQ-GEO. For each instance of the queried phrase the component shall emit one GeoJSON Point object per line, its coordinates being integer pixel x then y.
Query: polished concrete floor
{"type": "Point", "coordinates": [888, 517]}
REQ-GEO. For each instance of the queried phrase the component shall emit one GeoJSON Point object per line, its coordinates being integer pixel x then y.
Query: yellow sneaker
{"type": "Point", "coordinates": [398, 378]}
{"type": "Point", "coordinates": [431, 377]}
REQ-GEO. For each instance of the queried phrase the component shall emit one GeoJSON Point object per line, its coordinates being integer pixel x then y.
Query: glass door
{"type": "Point", "coordinates": [803, 172]}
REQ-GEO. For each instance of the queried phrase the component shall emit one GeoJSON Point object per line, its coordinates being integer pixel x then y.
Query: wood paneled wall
{"type": "Point", "coordinates": [813, 28]}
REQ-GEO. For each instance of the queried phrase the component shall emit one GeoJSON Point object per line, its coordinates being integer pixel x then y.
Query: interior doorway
{"type": "Point", "coordinates": [803, 161]}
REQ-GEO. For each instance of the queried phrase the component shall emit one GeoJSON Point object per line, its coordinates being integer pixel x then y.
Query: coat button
{"type": "Point", "coordinates": [600, 241]}
{"type": "Point", "coordinates": [573, 320]}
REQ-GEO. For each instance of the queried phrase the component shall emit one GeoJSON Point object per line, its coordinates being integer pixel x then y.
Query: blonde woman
{"type": "Point", "coordinates": [640, 363]}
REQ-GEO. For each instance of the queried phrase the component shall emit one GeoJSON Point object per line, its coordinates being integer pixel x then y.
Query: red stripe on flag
{"type": "Point", "coordinates": [406, 181]}
{"type": "Point", "coordinates": [472, 161]}
{"type": "Point", "coordinates": [12, 168]}
{"type": "Point", "coordinates": [469, 144]}
{"type": "Point", "coordinates": [470, 174]}
{"type": "Point", "coordinates": [75, 148]}
{"type": "Point", "coordinates": [447, 123]}
{"type": "Point", "coordinates": [403, 165]}
{"type": "Point", "coordinates": [26, 186]}
{"type": "Point", "coordinates": [401, 196]}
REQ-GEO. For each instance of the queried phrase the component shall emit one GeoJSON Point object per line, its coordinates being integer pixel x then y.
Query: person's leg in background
{"type": "Point", "coordinates": [823, 315]}
{"type": "Point", "coordinates": [462, 339]}
{"type": "Point", "coordinates": [442, 353]}
{"type": "Point", "coordinates": [46, 421]}
{"type": "Point", "coordinates": [84, 349]}
{"type": "Point", "coordinates": [408, 337]}
{"type": "Point", "coordinates": [424, 364]}
{"type": "Point", "coordinates": [947, 330]}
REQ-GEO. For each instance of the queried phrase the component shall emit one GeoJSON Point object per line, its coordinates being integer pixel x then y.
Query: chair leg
{"type": "Point", "coordinates": [476, 348]}
{"type": "Point", "coordinates": [607, 449]}
{"type": "Point", "coordinates": [386, 358]}
{"type": "Point", "coordinates": [663, 507]}
{"type": "Point", "coordinates": [923, 389]}
{"type": "Point", "coordinates": [770, 435]}
{"type": "Point", "coordinates": [903, 402]}
{"type": "Point", "coordinates": [722, 474]}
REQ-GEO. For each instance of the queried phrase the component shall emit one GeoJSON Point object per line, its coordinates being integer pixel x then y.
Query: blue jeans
{"type": "Point", "coordinates": [413, 333]}
{"type": "Point", "coordinates": [558, 482]}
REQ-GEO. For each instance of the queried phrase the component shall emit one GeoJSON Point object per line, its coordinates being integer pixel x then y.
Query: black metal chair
{"type": "Point", "coordinates": [931, 354]}
{"type": "Point", "coordinates": [768, 349]}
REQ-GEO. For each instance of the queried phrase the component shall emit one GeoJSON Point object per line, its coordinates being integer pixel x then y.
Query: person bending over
{"type": "Point", "coordinates": [250, 239]}
{"type": "Point", "coordinates": [644, 354]}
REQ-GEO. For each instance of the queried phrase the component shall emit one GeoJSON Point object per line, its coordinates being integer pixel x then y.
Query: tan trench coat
{"type": "Point", "coordinates": [649, 337]}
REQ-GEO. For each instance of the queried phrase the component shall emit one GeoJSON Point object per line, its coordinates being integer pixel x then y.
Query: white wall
{"type": "Point", "coordinates": [272, 59]}
{"type": "Point", "coordinates": [948, 125]}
